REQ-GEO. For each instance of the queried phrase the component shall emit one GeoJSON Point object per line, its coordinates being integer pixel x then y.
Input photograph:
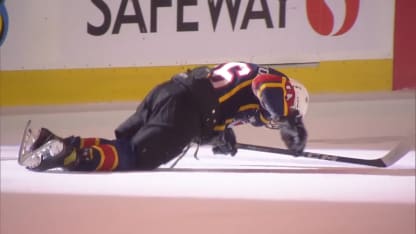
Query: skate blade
{"type": "Point", "coordinates": [34, 158]}
{"type": "Point", "coordinates": [27, 141]}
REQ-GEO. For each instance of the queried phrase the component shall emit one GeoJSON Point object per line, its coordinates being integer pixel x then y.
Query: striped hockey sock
{"type": "Point", "coordinates": [97, 158]}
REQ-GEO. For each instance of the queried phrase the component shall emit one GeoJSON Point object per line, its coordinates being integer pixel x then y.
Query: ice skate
{"type": "Point", "coordinates": [54, 153]}
{"type": "Point", "coordinates": [44, 135]}
{"type": "Point", "coordinates": [33, 159]}
{"type": "Point", "coordinates": [31, 140]}
{"type": "Point", "coordinates": [42, 151]}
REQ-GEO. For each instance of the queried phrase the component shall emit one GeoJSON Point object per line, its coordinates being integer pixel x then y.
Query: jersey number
{"type": "Point", "coordinates": [226, 73]}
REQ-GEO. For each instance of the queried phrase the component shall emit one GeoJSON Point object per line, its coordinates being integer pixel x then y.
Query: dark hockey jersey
{"type": "Point", "coordinates": [249, 93]}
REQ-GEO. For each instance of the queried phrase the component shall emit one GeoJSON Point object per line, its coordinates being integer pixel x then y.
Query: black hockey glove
{"type": "Point", "coordinates": [225, 143]}
{"type": "Point", "coordinates": [293, 133]}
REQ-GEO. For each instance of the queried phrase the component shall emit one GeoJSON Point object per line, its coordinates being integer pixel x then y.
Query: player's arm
{"type": "Point", "coordinates": [293, 131]}
{"type": "Point", "coordinates": [223, 141]}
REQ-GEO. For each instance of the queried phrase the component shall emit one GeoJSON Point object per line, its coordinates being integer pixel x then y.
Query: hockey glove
{"type": "Point", "coordinates": [293, 133]}
{"type": "Point", "coordinates": [225, 143]}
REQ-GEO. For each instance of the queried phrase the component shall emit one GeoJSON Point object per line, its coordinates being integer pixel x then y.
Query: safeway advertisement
{"type": "Point", "coordinates": [45, 34]}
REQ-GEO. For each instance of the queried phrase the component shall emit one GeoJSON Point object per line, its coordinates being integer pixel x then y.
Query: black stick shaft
{"type": "Point", "coordinates": [327, 157]}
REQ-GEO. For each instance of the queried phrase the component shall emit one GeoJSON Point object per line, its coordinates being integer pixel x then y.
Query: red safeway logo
{"type": "Point", "coordinates": [321, 17]}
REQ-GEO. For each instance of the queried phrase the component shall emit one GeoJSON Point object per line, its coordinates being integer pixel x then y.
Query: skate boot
{"type": "Point", "coordinates": [32, 140]}
{"type": "Point", "coordinates": [54, 153]}
{"type": "Point", "coordinates": [45, 150]}
{"type": "Point", "coordinates": [43, 137]}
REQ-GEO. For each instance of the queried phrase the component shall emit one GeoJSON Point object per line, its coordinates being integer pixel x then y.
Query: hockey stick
{"type": "Point", "coordinates": [387, 160]}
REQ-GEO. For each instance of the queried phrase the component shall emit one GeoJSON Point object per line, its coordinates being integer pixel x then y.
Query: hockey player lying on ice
{"type": "Point", "coordinates": [199, 106]}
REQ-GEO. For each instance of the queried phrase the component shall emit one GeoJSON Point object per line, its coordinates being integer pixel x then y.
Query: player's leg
{"type": "Point", "coordinates": [88, 154]}
{"type": "Point", "coordinates": [128, 128]}
{"type": "Point", "coordinates": [155, 146]}
{"type": "Point", "coordinates": [77, 154]}
{"type": "Point", "coordinates": [114, 155]}
{"type": "Point", "coordinates": [134, 122]}
{"type": "Point", "coordinates": [169, 128]}
{"type": "Point", "coordinates": [46, 135]}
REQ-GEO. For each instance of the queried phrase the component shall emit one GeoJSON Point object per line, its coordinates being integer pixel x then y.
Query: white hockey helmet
{"type": "Point", "coordinates": [301, 101]}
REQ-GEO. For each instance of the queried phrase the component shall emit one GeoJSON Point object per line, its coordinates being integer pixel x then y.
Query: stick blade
{"type": "Point", "coordinates": [398, 152]}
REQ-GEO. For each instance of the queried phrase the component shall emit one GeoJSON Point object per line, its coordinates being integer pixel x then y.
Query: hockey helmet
{"type": "Point", "coordinates": [301, 100]}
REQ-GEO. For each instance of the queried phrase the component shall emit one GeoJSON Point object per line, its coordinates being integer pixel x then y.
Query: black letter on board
{"type": "Point", "coordinates": [185, 26]}
{"type": "Point", "coordinates": [233, 11]}
{"type": "Point", "coordinates": [214, 10]}
{"type": "Point", "coordinates": [102, 29]}
{"type": "Point", "coordinates": [282, 13]}
{"type": "Point", "coordinates": [137, 18]}
{"type": "Point", "coordinates": [250, 14]}
{"type": "Point", "coordinates": [153, 14]}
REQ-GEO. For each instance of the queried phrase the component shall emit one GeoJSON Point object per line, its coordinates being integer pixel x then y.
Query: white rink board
{"type": "Point", "coordinates": [57, 36]}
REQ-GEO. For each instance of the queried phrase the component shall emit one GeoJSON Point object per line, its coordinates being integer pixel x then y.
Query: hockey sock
{"type": "Point", "coordinates": [88, 142]}
{"type": "Point", "coordinates": [97, 158]}
{"type": "Point", "coordinates": [80, 143]}
{"type": "Point", "coordinates": [70, 159]}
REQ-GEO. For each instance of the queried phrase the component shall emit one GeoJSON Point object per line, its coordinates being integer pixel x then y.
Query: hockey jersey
{"type": "Point", "coordinates": [249, 93]}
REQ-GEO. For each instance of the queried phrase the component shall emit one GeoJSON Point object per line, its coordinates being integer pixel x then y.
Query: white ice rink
{"type": "Point", "coordinates": [252, 192]}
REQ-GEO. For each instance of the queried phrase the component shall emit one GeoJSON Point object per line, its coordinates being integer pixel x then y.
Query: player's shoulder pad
{"type": "Point", "coordinates": [199, 72]}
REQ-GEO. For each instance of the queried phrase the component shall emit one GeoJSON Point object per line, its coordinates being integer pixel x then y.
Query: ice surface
{"type": "Point", "coordinates": [250, 175]}
{"type": "Point", "coordinates": [252, 192]}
